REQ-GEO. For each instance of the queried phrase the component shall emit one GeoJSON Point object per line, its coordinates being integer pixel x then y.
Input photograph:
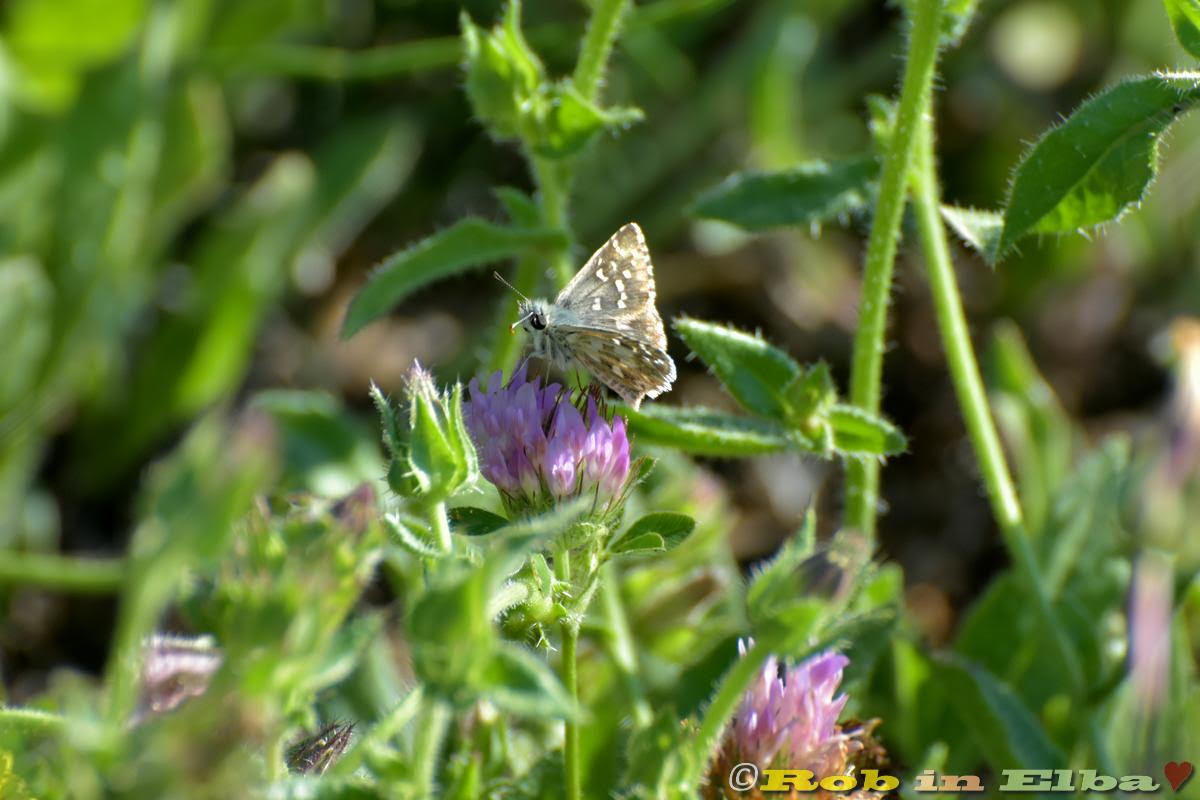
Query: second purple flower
{"type": "Point", "coordinates": [538, 448]}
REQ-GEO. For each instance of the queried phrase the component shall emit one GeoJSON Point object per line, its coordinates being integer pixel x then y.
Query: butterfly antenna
{"type": "Point", "coordinates": [500, 278]}
{"type": "Point", "coordinates": [513, 327]}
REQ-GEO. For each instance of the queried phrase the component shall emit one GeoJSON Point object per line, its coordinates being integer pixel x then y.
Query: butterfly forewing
{"type": "Point", "coordinates": [616, 285]}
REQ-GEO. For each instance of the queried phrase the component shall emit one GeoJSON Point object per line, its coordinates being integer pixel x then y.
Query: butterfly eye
{"type": "Point", "coordinates": [537, 321]}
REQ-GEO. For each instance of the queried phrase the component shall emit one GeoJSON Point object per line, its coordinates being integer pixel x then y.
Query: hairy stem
{"type": "Point", "coordinates": [972, 399]}
{"type": "Point", "coordinates": [431, 729]}
{"type": "Point", "coordinates": [570, 679]}
{"type": "Point", "coordinates": [862, 476]}
{"type": "Point", "coordinates": [553, 179]}
{"type": "Point", "coordinates": [956, 339]}
{"type": "Point", "coordinates": [441, 527]}
{"type": "Point", "coordinates": [598, 42]}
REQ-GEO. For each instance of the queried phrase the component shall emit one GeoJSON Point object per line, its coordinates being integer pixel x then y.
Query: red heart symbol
{"type": "Point", "coordinates": [1177, 773]}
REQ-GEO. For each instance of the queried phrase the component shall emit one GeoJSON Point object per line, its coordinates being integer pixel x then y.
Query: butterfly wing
{"type": "Point", "coordinates": [615, 289]}
{"type": "Point", "coordinates": [632, 367]}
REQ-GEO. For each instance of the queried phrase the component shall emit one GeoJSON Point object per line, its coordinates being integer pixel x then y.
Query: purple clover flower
{"type": "Point", "coordinates": [536, 446]}
{"type": "Point", "coordinates": [791, 721]}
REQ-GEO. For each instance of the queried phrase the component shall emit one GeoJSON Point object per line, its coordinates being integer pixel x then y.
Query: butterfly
{"type": "Point", "coordinates": [605, 321]}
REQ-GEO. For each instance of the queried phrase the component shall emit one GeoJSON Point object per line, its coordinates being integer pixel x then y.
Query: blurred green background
{"type": "Point", "coordinates": [191, 191]}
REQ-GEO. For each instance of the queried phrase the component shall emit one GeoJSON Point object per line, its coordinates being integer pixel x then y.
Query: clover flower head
{"type": "Point", "coordinates": [791, 719]}
{"type": "Point", "coordinates": [538, 448]}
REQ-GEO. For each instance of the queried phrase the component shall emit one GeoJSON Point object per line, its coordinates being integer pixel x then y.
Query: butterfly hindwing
{"type": "Point", "coordinates": [632, 367]}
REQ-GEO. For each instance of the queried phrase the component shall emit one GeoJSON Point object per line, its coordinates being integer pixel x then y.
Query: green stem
{"type": "Point", "coordinates": [30, 722]}
{"type": "Point", "coordinates": [430, 731]}
{"type": "Point", "coordinates": [553, 179]}
{"type": "Point", "coordinates": [570, 679]}
{"type": "Point", "coordinates": [63, 573]}
{"type": "Point", "coordinates": [956, 339]}
{"type": "Point", "coordinates": [598, 42]}
{"type": "Point", "coordinates": [320, 62]}
{"type": "Point", "coordinates": [968, 386]}
{"type": "Point", "coordinates": [334, 64]}
{"type": "Point", "coordinates": [862, 476]}
{"type": "Point", "coordinates": [441, 527]}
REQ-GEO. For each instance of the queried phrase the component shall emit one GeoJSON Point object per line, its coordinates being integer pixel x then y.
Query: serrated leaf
{"type": "Point", "coordinates": [702, 431]}
{"type": "Point", "coordinates": [1001, 726]}
{"type": "Point", "coordinates": [858, 433]}
{"type": "Point", "coordinates": [1099, 162]}
{"type": "Point", "coordinates": [978, 228]}
{"type": "Point", "coordinates": [1185, 20]}
{"type": "Point", "coordinates": [807, 194]}
{"type": "Point", "coordinates": [753, 371]}
{"type": "Point", "coordinates": [468, 243]}
{"type": "Point", "coordinates": [472, 521]}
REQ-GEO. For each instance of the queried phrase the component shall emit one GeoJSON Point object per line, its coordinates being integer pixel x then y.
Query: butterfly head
{"type": "Point", "coordinates": [532, 316]}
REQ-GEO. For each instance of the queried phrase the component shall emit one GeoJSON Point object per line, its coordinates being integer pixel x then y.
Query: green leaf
{"type": "Point", "coordinates": [521, 208]}
{"type": "Point", "coordinates": [672, 527]}
{"type": "Point", "coordinates": [807, 194]}
{"type": "Point", "coordinates": [472, 521]}
{"type": "Point", "coordinates": [435, 456]}
{"type": "Point", "coordinates": [701, 431]}
{"type": "Point", "coordinates": [859, 433]}
{"type": "Point", "coordinates": [956, 17]}
{"type": "Point", "coordinates": [26, 311]}
{"type": "Point", "coordinates": [1185, 19]}
{"type": "Point", "coordinates": [1007, 732]}
{"type": "Point", "coordinates": [979, 229]}
{"type": "Point", "coordinates": [1099, 162]}
{"type": "Point", "coordinates": [503, 72]}
{"type": "Point", "coordinates": [811, 394]}
{"type": "Point", "coordinates": [753, 371]}
{"type": "Point", "coordinates": [392, 441]}
{"type": "Point", "coordinates": [881, 112]}
{"type": "Point", "coordinates": [468, 243]}
{"type": "Point", "coordinates": [1037, 430]}
{"type": "Point", "coordinates": [412, 534]}
{"type": "Point", "coordinates": [642, 544]}
{"type": "Point", "coordinates": [780, 581]}
{"type": "Point", "coordinates": [517, 681]}
{"type": "Point", "coordinates": [568, 121]}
